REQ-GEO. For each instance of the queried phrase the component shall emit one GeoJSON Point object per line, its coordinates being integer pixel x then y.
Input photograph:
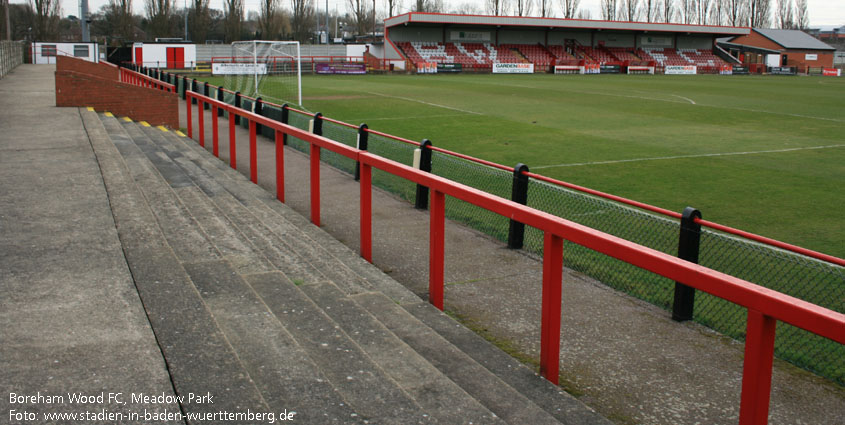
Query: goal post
{"type": "Point", "coordinates": [271, 70]}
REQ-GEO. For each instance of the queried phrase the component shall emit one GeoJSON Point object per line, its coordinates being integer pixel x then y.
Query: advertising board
{"type": "Point", "coordinates": [340, 68]}
{"type": "Point", "coordinates": [832, 72]}
{"type": "Point", "coordinates": [427, 68]}
{"type": "Point", "coordinates": [680, 70]}
{"type": "Point", "coordinates": [513, 68]}
{"type": "Point", "coordinates": [783, 70]}
{"type": "Point", "coordinates": [449, 67]}
{"type": "Point", "coordinates": [610, 69]}
{"type": "Point", "coordinates": [740, 70]}
{"type": "Point", "coordinates": [238, 68]}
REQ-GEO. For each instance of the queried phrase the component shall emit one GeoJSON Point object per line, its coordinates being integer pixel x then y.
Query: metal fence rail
{"type": "Point", "coordinates": [11, 55]}
{"type": "Point", "coordinates": [769, 265]}
{"type": "Point", "coordinates": [764, 307]}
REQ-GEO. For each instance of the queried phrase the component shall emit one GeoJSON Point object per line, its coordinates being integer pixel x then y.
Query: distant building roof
{"type": "Point", "coordinates": [793, 39]}
{"type": "Point", "coordinates": [557, 23]}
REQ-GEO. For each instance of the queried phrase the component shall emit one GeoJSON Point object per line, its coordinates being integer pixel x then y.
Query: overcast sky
{"type": "Point", "coordinates": [823, 13]}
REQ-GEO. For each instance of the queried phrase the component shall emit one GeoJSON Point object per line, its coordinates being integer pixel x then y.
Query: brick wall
{"type": "Point", "coordinates": [102, 70]}
{"type": "Point", "coordinates": [80, 83]}
{"type": "Point", "coordinates": [141, 104]}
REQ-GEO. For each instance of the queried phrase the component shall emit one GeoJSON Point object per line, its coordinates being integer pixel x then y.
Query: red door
{"type": "Point", "coordinates": [175, 57]}
{"type": "Point", "coordinates": [139, 56]}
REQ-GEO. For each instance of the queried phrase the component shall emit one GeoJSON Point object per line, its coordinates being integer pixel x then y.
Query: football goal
{"type": "Point", "coordinates": [270, 70]}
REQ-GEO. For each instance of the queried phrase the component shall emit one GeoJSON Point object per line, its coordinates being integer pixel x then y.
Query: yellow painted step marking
{"type": "Point", "coordinates": [162, 128]}
{"type": "Point", "coordinates": [91, 109]}
{"type": "Point", "coordinates": [145, 124]}
{"type": "Point", "coordinates": [179, 133]}
{"type": "Point", "coordinates": [108, 114]}
{"type": "Point", "coordinates": [127, 119]}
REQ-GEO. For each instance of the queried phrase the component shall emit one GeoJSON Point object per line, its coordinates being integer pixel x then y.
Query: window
{"type": "Point", "coordinates": [80, 50]}
{"type": "Point", "coordinates": [48, 50]}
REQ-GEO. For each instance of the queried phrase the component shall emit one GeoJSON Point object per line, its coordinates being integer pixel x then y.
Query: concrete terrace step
{"type": "Point", "coordinates": [307, 325]}
{"type": "Point", "coordinates": [198, 356]}
{"type": "Point", "coordinates": [555, 402]}
{"type": "Point", "coordinates": [552, 399]}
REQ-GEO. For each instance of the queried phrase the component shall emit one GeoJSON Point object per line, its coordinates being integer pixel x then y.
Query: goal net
{"type": "Point", "coordinates": [270, 70]}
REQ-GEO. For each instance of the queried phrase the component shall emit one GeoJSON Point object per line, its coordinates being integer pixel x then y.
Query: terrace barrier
{"type": "Point", "coordinates": [764, 307]}
{"type": "Point", "coordinates": [11, 55]}
{"type": "Point", "coordinates": [143, 80]}
{"type": "Point", "coordinates": [811, 276]}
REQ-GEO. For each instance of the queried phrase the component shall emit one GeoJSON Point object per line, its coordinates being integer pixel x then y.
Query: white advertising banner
{"type": "Point", "coordinates": [811, 57]}
{"type": "Point", "coordinates": [238, 68]}
{"type": "Point", "coordinates": [680, 70]}
{"type": "Point", "coordinates": [513, 68]}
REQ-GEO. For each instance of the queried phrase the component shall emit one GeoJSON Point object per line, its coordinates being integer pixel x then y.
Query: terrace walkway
{"type": "Point", "coordinates": [132, 261]}
{"type": "Point", "coordinates": [621, 356]}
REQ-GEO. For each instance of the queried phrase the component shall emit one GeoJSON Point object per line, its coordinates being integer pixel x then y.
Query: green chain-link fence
{"type": "Point", "coordinates": [808, 279]}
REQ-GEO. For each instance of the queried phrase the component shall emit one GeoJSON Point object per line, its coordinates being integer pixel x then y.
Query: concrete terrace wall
{"type": "Point", "coordinates": [80, 83]}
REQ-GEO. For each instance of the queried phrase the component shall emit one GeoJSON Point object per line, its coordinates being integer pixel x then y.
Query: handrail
{"type": "Point", "coordinates": [765, 306]}
{"type": "Point", "coordinates": [139, 79]}
{"type": "Point", "coordinates": [641, 205]}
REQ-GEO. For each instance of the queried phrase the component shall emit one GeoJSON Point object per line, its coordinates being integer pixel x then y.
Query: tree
{"type": "Point", "coordinates": [785, 14]}
{"type": "Point", "coordinates": [393, 6]}
{"type": "Point", "coordinates": [523, 7]}
{"type": "Point", "coordinates": [650, 10]}
{"type": "Point", "coordinates": [630, 10]}
{"type": "Point", "coordinates": [496, 7]}
{"type": "Point", "coordinates": [545, 8]}
{"type": "Point", "coordinates": [704, 7]}
{"type": "Point", "coordinates": [302, 19]}
{"type": "Point", "coordinates": [467, 8]}
{"type": "Point", "coordinates": [269, 19]}
{"type": "Point", "coordinates": [569, 7]}
{"type": "Point", "coordinates": [760, 13]}
{"type": "Point", "coordinates": [608, 10]}
{"type": "Point", "coordinates": [45, 20]}
{"type": "Point", "coordinates": [736, 12]}
{"type": "Point", "coordinates": [361, 14]}
{"type": "Point", "coordinates": [159, 13]}
{"type": "Point", "coordinates": [667, 11]}
{"type": "Point", "coordinates": [233, 21]}
{"type": "Point", "coordinates": [688, 11]}
{"type": "Point", "coordinates": [124, 25]}
{"type": "Point", "coordinates": [802, 18]}
{"type": "Point", "coordinates": [717, 12]}
{"type": "Point", "coordinates": [200, 21]}
{"type": "Point", "coordinates": [433, 6]}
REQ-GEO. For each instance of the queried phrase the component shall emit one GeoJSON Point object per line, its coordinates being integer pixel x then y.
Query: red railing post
{"type": "Point", "coordinates": [253, 154]}
{"type": "Point", "coordinates": [315, 184]}
{"type": "Point", "coordinates": [189, 118]}
{"type": "Point", "coordinates": [757, 369]}
{"type": "Point", "coordinates": [233, 154]}
{"type": "Point", "coordinates": [201, 122]}
{"type": "Point", "coordinates": [550, 321]}
{"type": "Point", "coordinates": [436, 245]}
{"type": "Point", "coordinates": [280, 167]}
{"type": "Point", "coordinates": [215, 139]}
{"type": "Point", "coordinates": [365, 184]}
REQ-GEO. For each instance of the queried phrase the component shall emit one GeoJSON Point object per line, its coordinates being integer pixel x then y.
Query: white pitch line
{"type": "Point", "coordinates": [427, 103]}
{"type": "Point", "coordinates": [409, 118]}
{"type": "Point", "coordinates": [685, 98]}
{"type": "Point", "coordinates": [704, 155]}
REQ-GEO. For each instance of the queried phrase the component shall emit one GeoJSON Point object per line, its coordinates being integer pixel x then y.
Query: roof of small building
{"type": "Point", "coordinates": [793, 39]}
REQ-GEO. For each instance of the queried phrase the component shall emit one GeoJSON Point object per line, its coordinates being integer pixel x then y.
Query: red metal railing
{"type": "Point", "coordinates": [765, 306]}
{"type": "Point", "coordinates": [138, 79]}
{"type": "Point", "coordinates": [676, 215]}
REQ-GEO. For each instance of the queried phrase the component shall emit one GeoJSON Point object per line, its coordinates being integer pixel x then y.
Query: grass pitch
{"type": "Point", "coordinates": [763, 154]}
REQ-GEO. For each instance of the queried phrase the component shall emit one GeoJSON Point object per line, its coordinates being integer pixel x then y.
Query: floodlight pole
{"type": "Point", "coordinates": [186, 20]}
{"type": "Point", "coordinates": [298, 75]}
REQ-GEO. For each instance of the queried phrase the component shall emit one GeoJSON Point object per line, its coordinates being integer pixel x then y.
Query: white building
{"type": "Point", "coordinates": [45, 52]}
{"type": "Point", "coordinates": [165, 55]}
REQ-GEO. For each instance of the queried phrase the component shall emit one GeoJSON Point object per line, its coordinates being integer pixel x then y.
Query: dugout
{"type": "Point", "coordinates": [546, 42]}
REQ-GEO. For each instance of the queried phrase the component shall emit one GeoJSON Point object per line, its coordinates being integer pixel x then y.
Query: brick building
{"type": "Point", "coordinates": [797, 48]}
